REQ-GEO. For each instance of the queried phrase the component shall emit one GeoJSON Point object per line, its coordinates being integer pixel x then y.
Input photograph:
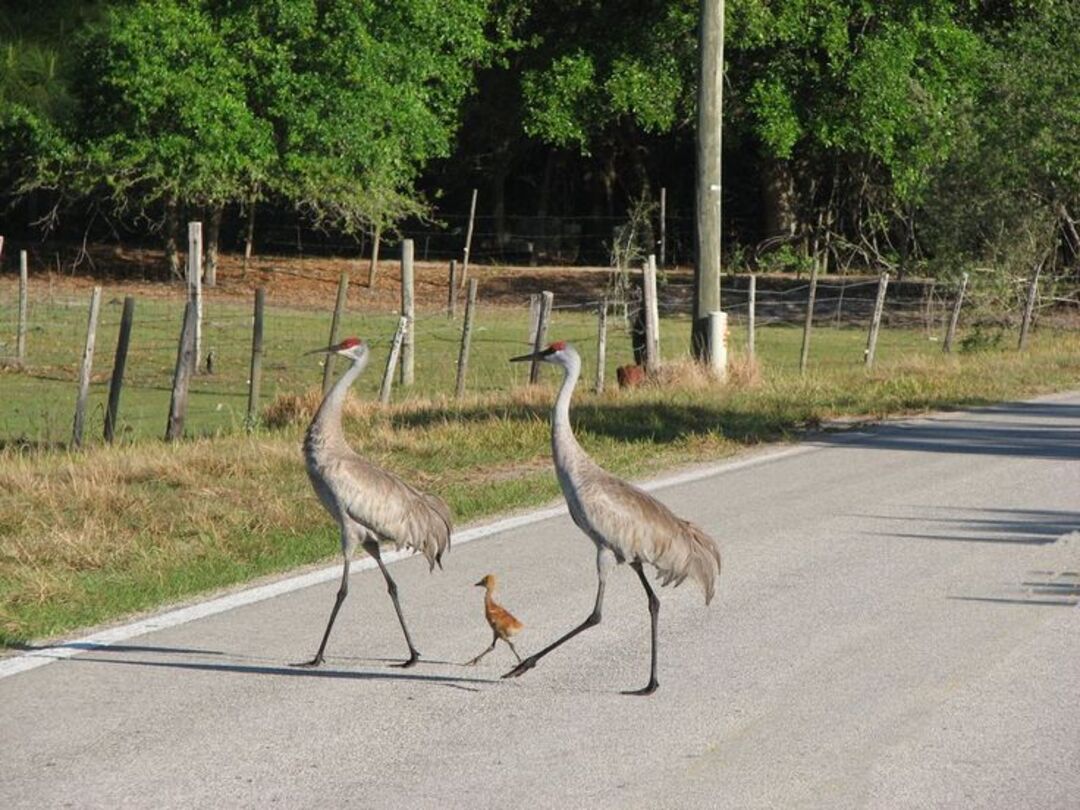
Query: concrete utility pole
{"type": "Point", "coordinates": [710, 113]}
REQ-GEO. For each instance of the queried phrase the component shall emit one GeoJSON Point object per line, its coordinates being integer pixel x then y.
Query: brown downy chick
{"type": "Point", "coordinates": [502, 622]}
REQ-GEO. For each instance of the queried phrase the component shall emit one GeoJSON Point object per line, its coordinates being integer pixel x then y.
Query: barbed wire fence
{"type": "Point", "coordinates": [39, 386]}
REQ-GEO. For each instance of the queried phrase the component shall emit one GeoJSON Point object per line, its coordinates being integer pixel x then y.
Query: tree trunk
{"type": "Point", "coordinates": [172, 238]}
{"type": "Point", "coordinates": [778, 196]}
{"type": "Point", "coordinates": [500, 168]}
{"type": "Point", "coordinates": [249, 236]}
{"type": "Point", "coordinates": [213, 232]}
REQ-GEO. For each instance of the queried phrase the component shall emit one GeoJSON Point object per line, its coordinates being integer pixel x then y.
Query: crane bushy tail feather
{"type": "Point", "coordinates": [696, 557]}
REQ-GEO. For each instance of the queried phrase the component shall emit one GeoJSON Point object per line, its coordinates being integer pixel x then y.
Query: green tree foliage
{"type": "Point", "coordinates": [163, 111]}
{"type": "Point", "coordinates": [358, 96]}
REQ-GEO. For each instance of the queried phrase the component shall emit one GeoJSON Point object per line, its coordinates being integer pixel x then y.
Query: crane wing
{"type": "Point", "coordinates": [638, 526]}
{"type": "Point", "coordinates": [394, 510]}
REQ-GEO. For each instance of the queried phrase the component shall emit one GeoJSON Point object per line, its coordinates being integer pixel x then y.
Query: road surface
{"type": "Point", "coordinates": [896, 626]}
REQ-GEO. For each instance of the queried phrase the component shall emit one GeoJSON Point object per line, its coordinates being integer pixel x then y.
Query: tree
{"type": "Point", "coordinates": [163, 116]}
{"type": "Point", "coordinates": [358, 96]}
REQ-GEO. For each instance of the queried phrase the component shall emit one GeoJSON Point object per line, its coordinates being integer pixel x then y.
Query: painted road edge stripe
{"type": "Point", "coordinates": [171, 618]}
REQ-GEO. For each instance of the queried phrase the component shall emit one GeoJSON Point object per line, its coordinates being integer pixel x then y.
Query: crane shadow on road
{"type": "Point", "coordinates": [450, 681]}
{"type": "Point", "coordinates": [1037, 527]}
{"type": "Point", "coordinates": [977, 437]}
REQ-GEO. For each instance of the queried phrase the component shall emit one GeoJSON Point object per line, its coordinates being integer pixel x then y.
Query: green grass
{"type": "Point", "coordinates": [93, 536]}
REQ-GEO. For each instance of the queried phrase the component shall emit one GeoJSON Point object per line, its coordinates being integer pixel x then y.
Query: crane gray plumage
{"type": "Point", "coordinates": [625, 523]}
{"type": "Point", "coordinates": [369, 503]}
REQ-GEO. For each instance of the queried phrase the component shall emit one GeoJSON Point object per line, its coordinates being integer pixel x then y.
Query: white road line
{"type": "Point", "coordinates": [47, 655]}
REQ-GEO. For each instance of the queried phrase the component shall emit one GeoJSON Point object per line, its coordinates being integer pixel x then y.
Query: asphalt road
{"type": "Point", "coordinates": [896, 627]}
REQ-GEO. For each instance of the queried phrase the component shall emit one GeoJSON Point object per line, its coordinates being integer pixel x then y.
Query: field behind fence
{"type": "Point", "coordinates": [39, 391]}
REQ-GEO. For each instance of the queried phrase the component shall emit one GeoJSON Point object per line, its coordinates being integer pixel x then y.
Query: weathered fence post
{"type": "Point", "coordinates": [1029, 307]}
{"type": "Point", "coordinates": [468, 239]}
{"type": "Point", "coordinates": [185, 365]}
{"type": "Point", "coordinates": [652, 325]}
{"type": "Point", "coordinates": [546, 299]}
{"type": "Point", "coordinates": [466, 340]}
{"type": "Point", "coordinates": [718, 344]}
{"type": "Point", "coordinates": [408, 310]}
{"type": "Point", "coordinates": [86, 368]}
{"type": "Point", "coordinates": [451, 291]}
{"type": "Point", "coordinates": [335, 328]}
{"type": "Point", "coordinates": [24, 283]}
{"type": "Point", "coordinates": [373, 268]}
{"type": "Point", "coordinates": [804, 354]}
{"type": "Point", "coordinates": [663, 226]}
{"type": "Point", "coordinates": [751, 318]}
{"type": "Point", "coordinates": [255, 375]}
{"type": "Point", "coordinates": [391, 361]}
{"type": "Point", "coordinates": [601, 346]}
{"type": "Point", "coordinates": [950, 335]}
{"type": "Point", "coordinates": [116, 382]}
{"type": "Point", "coordinates": [875, 321]}
{"type": "Point", "coordinates": [194, 280]}
{"type": "Point", "coordinates": [534, 316]}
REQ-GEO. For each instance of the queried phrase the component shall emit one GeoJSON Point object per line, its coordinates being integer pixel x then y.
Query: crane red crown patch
{"type": "Point", "coordinates": [348, 343]}
{"type": "Point", "coordinates": [557, 346]}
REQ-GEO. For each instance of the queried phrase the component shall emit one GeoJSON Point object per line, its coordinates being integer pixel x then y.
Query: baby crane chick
{"type": "Point", "coordinates": [503, 624]}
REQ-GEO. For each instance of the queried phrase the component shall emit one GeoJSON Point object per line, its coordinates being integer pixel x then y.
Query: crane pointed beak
{"type": "Point", "coordinates": [532, 356]}
{"type": "Point", "coordinates": [479, 584]}
{"type": "Point", "coordinates": [327, 350]}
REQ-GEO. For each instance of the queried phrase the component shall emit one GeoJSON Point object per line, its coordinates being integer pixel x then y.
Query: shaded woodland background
{"type": "Point", "coordinates": [920, 136]}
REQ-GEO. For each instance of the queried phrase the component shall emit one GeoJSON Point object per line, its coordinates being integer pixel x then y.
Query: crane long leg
{"type": "Point", "coordinates": [372, 548]}
{"type": "Point", "coordinates": [654, 615]}
{"type": "Point", "coordinates": [605, 559]}
{"type": "Point", "coordinates": [343, 591]}
{"type": "Point", "coordinates": [494, 641]}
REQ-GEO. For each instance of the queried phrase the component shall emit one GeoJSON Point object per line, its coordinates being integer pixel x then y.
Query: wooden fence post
{"type": "Point", "coordinates": [751, 318]}
{"type": "Point", "coordinates": [373, 268]}
{"type": "Point", "coordinates": [391, 361]}
{"type": "Point", "coordinates": [408, 310]}
{"type": "Point", "coordinates": [24, 283]}
{"type": "Point", "coordinates": [546, 299]}
{"type": "Point", "coordinates": [185, 366]}
{"type": "Point", "coordinates": [663, 226]}
{"type": "Point", "coordinates": [255, 375]}
{"type": "Point", "coordinates": [652, 325]}
{"type": "Point", "coordinates": [123, 341]}
{"type": "Point", "coordinates": [451, 291]}
{"type": "Point", "coordinates": [335, 328]}
{"type": "Point", "coordinates": [534, 316]}
{"type": "Point", "coordinates": [1029, 307]}
{"type": "Point", "coordinates": [85, 369]}
{"type": "Point", "coordinates": [194, 280]}
{"type": "Point", "coordinates": [468, 239]}
{"type": "Point", "coordinates": [950, 335]}
{"type": "Point", "coordinates": [466, 340]}
{"type": "Point", "coordinates": [601, 346]}
{"type": "Point", "coordinates": [875, 321]}
{"type": "Point", "coordinates": [804, 354]}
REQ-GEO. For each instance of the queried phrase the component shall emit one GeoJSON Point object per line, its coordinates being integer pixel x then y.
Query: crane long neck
{"type": "Point", "coordinates": [563, 442]}
{"type": "Point", "coordinates": [327, 422]}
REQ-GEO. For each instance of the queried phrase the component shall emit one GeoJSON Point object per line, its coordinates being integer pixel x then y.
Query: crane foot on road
{"type": "Point", "coordinates": [521, 668]}
{"type": "Point", "coordinates": [645, 690]}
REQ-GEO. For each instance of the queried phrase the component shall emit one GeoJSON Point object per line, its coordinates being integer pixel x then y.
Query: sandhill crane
{"type": "Point", "coordinates": [502, 622]}
{"type": "Point", "coordinates": [626, 524]}
{"type": "Point", "coordinates": [369, 503]}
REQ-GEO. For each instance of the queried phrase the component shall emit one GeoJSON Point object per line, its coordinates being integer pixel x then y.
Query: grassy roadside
{"type": "Point", "coordinates": [90, 537]}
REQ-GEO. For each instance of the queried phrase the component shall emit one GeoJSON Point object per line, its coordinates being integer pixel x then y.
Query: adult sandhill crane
{"type": "Point", "coordinates": [626, 524]}
{"type": "Point", "coordinates": [502, 622]}
{"type": "Point", "coordinates": [369, 503]}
